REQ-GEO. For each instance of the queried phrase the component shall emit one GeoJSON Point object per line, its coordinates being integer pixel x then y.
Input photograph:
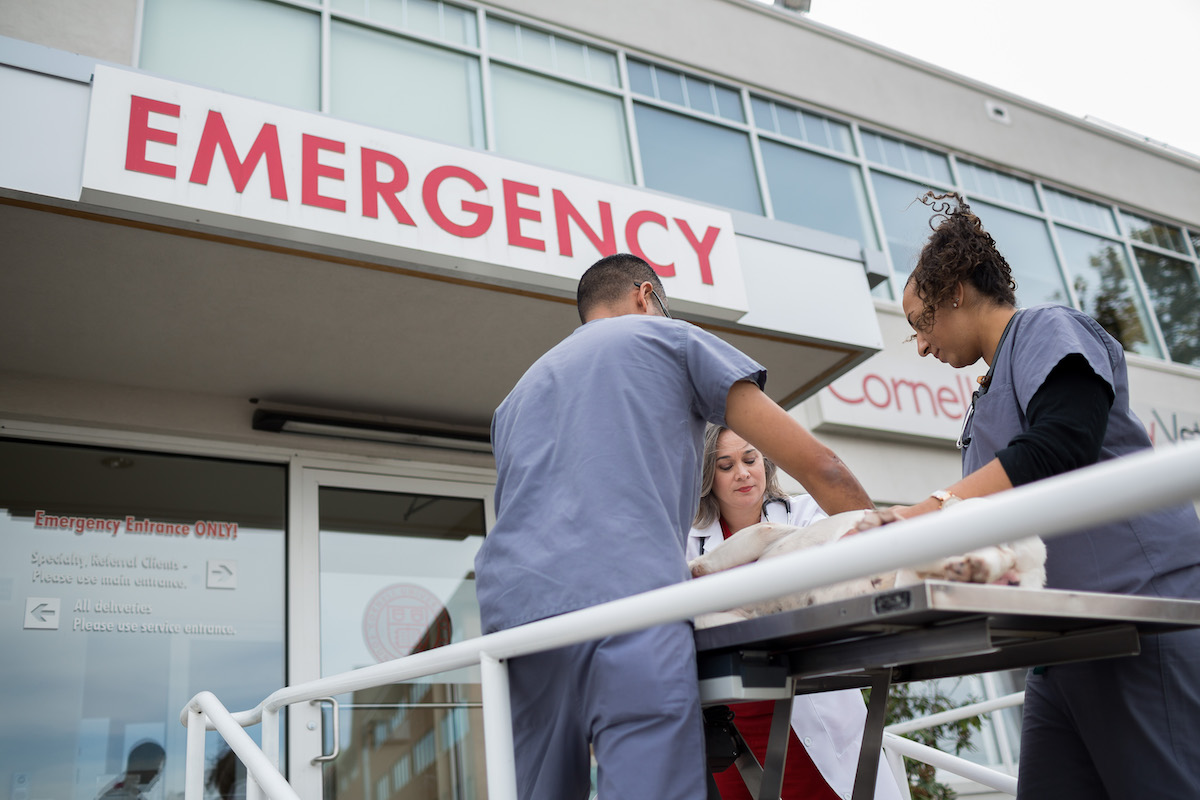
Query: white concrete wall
{"type": "Point", "coordinates": [102, 29]}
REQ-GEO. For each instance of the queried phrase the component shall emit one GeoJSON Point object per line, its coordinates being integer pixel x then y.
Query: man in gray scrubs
{"type": "Point", "coordinates": [598, 451]}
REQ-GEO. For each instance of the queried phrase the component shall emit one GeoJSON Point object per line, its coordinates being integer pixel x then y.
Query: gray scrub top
{"type": "Point", "coordinates": [598, 452]}
{"type": "Point", "coordinates": [1154, 554]}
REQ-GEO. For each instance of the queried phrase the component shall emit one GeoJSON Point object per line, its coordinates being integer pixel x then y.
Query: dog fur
{"type": "Point", "coordinates": [1021, 563]}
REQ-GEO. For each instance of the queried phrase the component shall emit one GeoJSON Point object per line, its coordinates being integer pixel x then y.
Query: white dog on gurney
{"type": "Point", "coordinates": [1022, 563]}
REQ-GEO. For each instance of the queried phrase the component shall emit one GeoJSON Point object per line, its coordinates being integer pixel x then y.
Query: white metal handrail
{"type": "Point", "coordinates": [896, 745]}
{"type": "Point", "coordinates": [1113, 490]}
{"type": "Point", "coordinates": [956, 714]}
{"type": "Point", "coordinates": [959, 766]}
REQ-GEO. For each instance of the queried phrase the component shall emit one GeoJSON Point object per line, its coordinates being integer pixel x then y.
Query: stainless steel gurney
{"type": "Point", "coordinates": [933, 629]}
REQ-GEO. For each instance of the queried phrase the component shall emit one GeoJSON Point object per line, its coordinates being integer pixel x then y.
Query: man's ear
{"type": "Point", "coordinates": [643, 298]}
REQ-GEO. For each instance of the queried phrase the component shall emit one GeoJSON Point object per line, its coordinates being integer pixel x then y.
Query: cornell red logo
{"type": "Point", "coordinates": [403, 619]}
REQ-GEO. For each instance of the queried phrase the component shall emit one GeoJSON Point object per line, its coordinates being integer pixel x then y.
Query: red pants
{"type": "Point", "coordinates": [801, 779]}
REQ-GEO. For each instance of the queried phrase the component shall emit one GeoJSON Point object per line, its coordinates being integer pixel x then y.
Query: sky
{"type": "Point", "coordinates": [1135, 63]}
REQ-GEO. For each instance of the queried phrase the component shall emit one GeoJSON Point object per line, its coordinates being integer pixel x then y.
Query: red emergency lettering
{"type": "Point", "coordinates": [140, 133]}
{"type": "Point", "coordinates": [564, 213]}
{"type": "Point", "coordinates": [632, 228]}
{"type": "Point", "coordinates": [373, 188]}
{"type": "Point", "coordinates": [312, 170]}
{"type": "Point", "coordinates": [702, 247]}
{"type": "Point", "coordinates": [429, 194]}
{"type": "Point", "coordinates": [266, 145]}
{"type": "Point", "coordinates": [514, 213]}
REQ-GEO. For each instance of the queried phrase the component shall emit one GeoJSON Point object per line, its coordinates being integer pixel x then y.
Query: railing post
{"type": "Point", "coordinates": [193, 776]}
{"type": "Point", "coordinates": [895, 763]}
{"type": "Point", "coordinates": [497, 729]}
{"type": "Point", "coordinates": [270, 747]}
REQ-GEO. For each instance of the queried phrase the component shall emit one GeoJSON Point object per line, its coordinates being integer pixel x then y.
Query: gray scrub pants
{"type": "Point", "coordinates": [633, 697]}
{"type": "Point", "coordinates": [1115, 729]}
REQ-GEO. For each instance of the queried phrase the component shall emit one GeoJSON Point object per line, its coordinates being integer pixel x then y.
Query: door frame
{"type": "Point", "coordinates": [305, 735]}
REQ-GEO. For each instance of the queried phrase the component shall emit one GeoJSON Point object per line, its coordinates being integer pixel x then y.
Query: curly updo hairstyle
{"type": "Point", "coordinates": [958, 250]}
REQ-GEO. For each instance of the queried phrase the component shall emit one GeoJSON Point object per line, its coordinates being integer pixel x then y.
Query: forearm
{"type": "Point", "coordinates": [988, 479]}
{"type": "Point", "coordinates": [1067, 417]}
{"type": "Point", "coordinates": [781, 438]}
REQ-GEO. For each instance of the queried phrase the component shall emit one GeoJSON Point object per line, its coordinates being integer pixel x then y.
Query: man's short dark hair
{"type": "Point", "coordinates": [610, 279]}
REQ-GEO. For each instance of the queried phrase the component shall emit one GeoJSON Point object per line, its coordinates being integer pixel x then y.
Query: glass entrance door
{"type": "Point", "coordinates": [388, 568]}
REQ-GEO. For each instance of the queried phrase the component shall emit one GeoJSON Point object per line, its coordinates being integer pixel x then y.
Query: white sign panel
{"type": "Point", "coordinates": [1167, 425]}
{"type": "Point", "coordinates": [899, 394]}
{"type": "Point", "coordinates": [160, 147]}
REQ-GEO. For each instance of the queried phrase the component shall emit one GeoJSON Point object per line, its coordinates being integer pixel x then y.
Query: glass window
{"type": "Point", "coordinates": [570, 58]}
{"type": "Point", "coordinates": [397, 577]}
{"type": "Point", "coordinates": [696, 159]}
{"type": "Point", "coordinates": [537, 47]}
{"type": "Point", "coordinates": [502, 38]}
{"type": "Point", "coordinates": [641, 77]}
{"type": "Point", "coordinates": [997, 185]}
{"type": "Point", "coordinates": [1025, 244]}
{"type": "Point", "coordinates": [602, 67]}
{"type": "Point", "coordinates": [764, 114]}
{"type": "Point", "coordinates": [142, 579]}
{"type": "Point", "coordinates": [729, 103]}
{"type": "Point", "coordinates": [1106, 291]}
{"type": "Point", "coordinates": [430, 18]}
{"type": "Point", "coordinates": [906, 157]}
{"type": "Point", "coordinates": [1080, 211]}
{"type": "Point", "coordinates": [1175, 295]}
{"type": "Point", "coordinates": [668, 85]}
{"type": "Point", "coordinates": [687, 91]}
{"type": "Point", "coordinates": [561, 125]}
{"type": "Point", "coordinates": [446, 104]}
{"type": "Point", "coordinates": [458, 25]}
{"type": "Point", "coordinates": [818, 192]}
{"type": "Point", "coordinates": [551, 53]}
{"type": "Point", "coordinates": [700, 95]}
{"type": "Point", "coordinates": [802, 125]}
{"type": "Point", "coordinates": [1159, 234]}
{"type": "Point", "coordinates": [181, 38]}
{"type": "Point", "coordinates": [905, 221]}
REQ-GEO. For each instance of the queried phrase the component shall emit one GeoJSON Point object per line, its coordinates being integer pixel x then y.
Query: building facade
{"type": "Point", "coordinates": [269, 265]}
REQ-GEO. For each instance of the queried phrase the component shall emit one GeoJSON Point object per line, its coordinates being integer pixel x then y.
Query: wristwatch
{"type": "Point", "coordinates": [945, 498]}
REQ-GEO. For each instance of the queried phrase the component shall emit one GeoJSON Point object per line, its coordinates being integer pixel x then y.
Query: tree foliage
{"type": "Point", "coordinates": [908, 701]}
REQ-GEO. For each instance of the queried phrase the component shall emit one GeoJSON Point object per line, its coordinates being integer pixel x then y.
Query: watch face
{"type": "Point", "coordinates": [946, 498]}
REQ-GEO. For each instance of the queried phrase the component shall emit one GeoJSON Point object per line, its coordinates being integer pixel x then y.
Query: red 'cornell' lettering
{"type": "Point", "coordinates": [895, 393]}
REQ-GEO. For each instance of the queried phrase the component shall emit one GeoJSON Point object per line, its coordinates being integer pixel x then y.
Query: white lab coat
{"type": "Point", "coordinates": [829, 724]}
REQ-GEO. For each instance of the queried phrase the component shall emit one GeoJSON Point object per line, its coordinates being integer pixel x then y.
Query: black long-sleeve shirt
{"type": "Point", "coordinates": [1068, 416]}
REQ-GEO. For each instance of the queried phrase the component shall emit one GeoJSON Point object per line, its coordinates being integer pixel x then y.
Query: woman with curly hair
{"type": "Point", "coordinates": [1056, 398]}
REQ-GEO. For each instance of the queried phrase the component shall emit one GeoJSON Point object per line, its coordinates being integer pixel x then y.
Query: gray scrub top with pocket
{"type": "Point", "coordinates": [1156, 553]}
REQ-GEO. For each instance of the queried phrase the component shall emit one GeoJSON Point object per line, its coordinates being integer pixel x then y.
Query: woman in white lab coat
{"type": "Point", "coordinates": [740, 488]}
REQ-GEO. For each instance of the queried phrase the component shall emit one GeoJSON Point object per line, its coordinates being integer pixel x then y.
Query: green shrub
{"type": "Point", "coordinates": [920, 699]}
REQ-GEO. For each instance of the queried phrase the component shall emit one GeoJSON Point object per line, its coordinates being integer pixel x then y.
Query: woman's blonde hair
{"type": "Point", "coordinates": [709, 509]}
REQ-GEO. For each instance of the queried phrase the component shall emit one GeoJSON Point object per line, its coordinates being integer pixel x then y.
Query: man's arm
{"type": "Point", "coordinates": [777, 435]}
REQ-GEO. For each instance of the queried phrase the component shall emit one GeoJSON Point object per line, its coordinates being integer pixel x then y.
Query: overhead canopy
{"type": "Point", "coordinates": [99, 298]}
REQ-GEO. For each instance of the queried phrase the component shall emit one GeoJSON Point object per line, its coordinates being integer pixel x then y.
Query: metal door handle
{"type": "Point", "coordinates": [337, 745]}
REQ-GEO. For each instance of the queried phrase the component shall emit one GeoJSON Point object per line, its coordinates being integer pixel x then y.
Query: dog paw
{"type": "Point", "coordinates": [971, 568]}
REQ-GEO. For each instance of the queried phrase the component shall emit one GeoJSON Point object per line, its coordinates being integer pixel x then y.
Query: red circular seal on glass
{"type": "Point", "coordinates": [404, 619]}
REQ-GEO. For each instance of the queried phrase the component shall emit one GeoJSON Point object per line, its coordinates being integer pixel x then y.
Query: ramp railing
{"type": "Point", "coordinates": [1113, 490]}
{"type": "Point", "coordinates": [896, 746]}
